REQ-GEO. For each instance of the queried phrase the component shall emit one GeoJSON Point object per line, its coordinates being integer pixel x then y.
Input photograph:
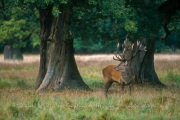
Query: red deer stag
{"type": "Point", "coordinates": [123, 73]}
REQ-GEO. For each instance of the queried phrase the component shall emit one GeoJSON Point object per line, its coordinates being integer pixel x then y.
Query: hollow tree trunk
{"type": "Point", "coordinates": [45, 23]}
{"type": "Point", "coordinates": [62, 70]}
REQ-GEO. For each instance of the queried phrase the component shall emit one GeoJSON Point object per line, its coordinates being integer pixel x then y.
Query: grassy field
{"type": "Point", "coordinates": [18, 99]}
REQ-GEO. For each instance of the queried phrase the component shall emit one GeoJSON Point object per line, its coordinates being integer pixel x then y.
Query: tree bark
{"type": "Point", "coordinates": [62, 70]}
{"type": "Point", "coordinates": [136, 64]}
{"type": "Point", "coordinates": [45, 23]}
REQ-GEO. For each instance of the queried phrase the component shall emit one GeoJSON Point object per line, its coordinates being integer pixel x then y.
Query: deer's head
{"type": "Point", "coordinates": [129, 51]}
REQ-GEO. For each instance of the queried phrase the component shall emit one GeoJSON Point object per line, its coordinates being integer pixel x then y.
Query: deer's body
{"type": "Point", "coordinates": [109, 72]}
{"type": "Point", "coordinates": [123, 76]}
{"type": "Point", "coordinates": [122, 73]}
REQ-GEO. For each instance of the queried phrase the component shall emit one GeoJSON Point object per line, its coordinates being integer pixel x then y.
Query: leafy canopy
{"type": "Point", "coordinates": [19, 22]}
{"type": "Point", "coordinates": [91, 21]}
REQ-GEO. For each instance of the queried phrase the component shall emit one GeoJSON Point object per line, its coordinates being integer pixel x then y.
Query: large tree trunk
{"type": "Point", "coordinates": [147, 71]}
{"type": "Point", "coordinates": [62, 70]}
{"type": "Point", "coordinates": [45, 23]}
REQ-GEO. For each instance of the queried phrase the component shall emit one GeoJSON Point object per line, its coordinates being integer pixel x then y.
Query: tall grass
{"type": "Point", "coordinates": [18, 99]}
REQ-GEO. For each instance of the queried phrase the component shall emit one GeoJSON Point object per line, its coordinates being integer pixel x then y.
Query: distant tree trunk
{"type": "Point", "coordinates": [8, 52]}
{"type": "Point", "coordinates": [173, 47]}
{"type": "Point", "coordinates": [11, 53]}
{"type": "Point", "coordinates": [62, 70]}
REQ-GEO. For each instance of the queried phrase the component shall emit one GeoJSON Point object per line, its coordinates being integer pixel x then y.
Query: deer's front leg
{"type": "Point", "coordinates": [107, 86]}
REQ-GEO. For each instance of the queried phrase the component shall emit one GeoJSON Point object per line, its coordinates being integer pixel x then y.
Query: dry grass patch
{"type": "Point", "coordinates": [27, 59]}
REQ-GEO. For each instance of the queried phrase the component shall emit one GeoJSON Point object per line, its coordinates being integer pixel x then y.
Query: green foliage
{"type": "Point", "coordinates": [90, 46]}
{"type": "Point", "coordinates": [174, 23]}
{"type": "Point", "coordinates": [35, 40]}
{"type": "Point", "coordinates": [13, 31]}
{"type": "Point", "coordinates": [131, 26]}
{"type": "Point", "coordinates": [101, 20]}
{"type": "Point", "coordinates": [147, 20]}
{"type": "Point", "coordinates": [160, 46]}
{"type": "Point", "coordinates": [91, 21]}
{"type": "Point", "coordinates": [18, 23]}
{"type": "Point", "coordinates": [55, 10]}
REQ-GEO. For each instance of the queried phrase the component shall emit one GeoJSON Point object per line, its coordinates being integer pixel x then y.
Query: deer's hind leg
{"type": "Point", "coordinates": [129, 86]}
{"type": "Point", "coordinates": [122, 87]}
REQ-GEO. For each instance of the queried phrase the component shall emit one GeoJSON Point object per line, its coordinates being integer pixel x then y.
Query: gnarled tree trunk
{"type": "Point", "coordinates": [62, 70]}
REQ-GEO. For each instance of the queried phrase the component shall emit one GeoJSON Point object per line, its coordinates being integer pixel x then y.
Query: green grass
{"type": "Point", "coordinates": [171, 77]}
{"type": "Point", "coordinates": [65, 105]}
{"type": "Point", "coordinates": [5, 83]}
{"type": "Point", "coordinates": [18, 99]}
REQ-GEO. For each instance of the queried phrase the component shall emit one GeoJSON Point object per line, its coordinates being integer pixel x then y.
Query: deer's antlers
{"type": "Point", "coordinates": [128, 51]}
